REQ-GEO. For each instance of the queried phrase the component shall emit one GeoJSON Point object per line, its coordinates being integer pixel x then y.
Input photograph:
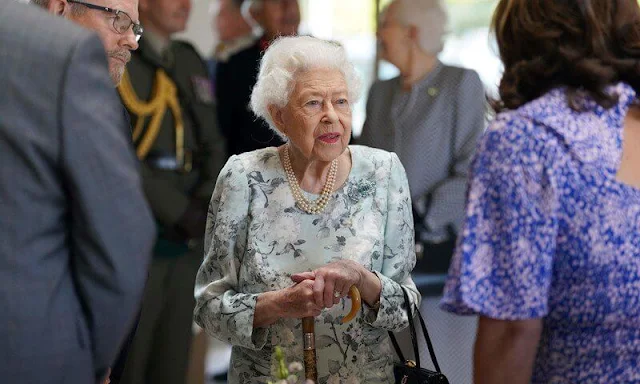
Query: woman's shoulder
{"type": "Point", "coordinates": [510, 129]}
{"type": "Point", "coordinates": [256, 158]}
{"type": "Point", "coordinates": [383, 86]}
{"type": "Point", "coordinates": [454, 71]}
{"type": "Point", "coordinates": [261, 160]}
{"type": "Point", "coordinates": [368, 159]}
{"type": "Point", "coordinates": [590, 134]}
{"type": "Point", "coordinates": [371, 155]}
{"type": "Point", "coordinates": [514, 141]}
{"type": "Point", "coordinates": [553, 108]}
{"type": "Point", "coordinates": [464, 78]}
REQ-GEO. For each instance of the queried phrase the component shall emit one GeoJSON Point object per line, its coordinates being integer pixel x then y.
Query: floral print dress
{"type": "Point", "coordinates": [256, 238]}
{"type": "Point", "coordinates": [551, 233]}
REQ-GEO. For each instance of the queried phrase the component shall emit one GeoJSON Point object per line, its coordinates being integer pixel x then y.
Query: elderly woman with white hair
{"type": "Point", "coordinates": [292, 228]}
{"type": "Point", "coordinates": [431, 116]}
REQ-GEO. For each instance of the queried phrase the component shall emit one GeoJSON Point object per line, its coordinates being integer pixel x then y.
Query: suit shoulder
{"type": "Point", "coordinates": [385, 83]}
{"type": "Point", "coordinates": [33, 37]}
{"type": "Point", "coordinates": [381, 87]}
{"type": "Point", "coordinates": [248, 57]}
{"type": "Point", "coordinates": [461, 75]}
{"type": "Point", "coordinates": [190, 57]}
{"type": "Point", "coordinates": [40, 32]}
{"type": "Point", "coordinates": [187, 49]}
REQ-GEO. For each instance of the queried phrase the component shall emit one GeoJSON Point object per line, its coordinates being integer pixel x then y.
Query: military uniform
{"type": "Point", "coordinates": [235, 79]}
{"type": "Point", "coordinates": [170, 102]}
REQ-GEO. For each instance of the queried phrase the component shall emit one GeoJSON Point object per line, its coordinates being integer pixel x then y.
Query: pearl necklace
{"type": "Point", "coordinates": [301, 201]}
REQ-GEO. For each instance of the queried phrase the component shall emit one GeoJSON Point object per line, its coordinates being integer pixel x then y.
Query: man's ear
{"type": "Point", "coordinates": [59, 7]}
{"type": "Point", "coordinates": [276, 116]}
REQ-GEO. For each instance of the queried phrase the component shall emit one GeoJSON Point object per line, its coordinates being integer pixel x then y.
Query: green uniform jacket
{"type": "Point", "coordinates": [169, 192]}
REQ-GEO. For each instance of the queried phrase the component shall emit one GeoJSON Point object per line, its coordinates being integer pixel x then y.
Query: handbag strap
{"type": "Point", "coordinates": [412, 332]}
{"type": "Point", "coordinates": [414, 340]}
{"type": "Point", "coordinates": [432, 352]}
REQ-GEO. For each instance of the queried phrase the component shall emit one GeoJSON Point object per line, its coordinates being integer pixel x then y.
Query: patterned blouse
{"type": "Point", "coordinates": [550, 233]}
{"type": "Point", "coordinates": [257, 238]}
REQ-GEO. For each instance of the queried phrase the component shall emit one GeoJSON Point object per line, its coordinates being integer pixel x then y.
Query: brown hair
{"type": "Point", "coordinates": [584, 45]}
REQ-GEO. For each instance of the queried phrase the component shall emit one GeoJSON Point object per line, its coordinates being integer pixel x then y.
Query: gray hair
{"type": "Point", "coordinates": [76, 9]}
{"type": "Point", "coordinates": [289, 56]}
{"type": "Point", "coordinates": [429, 17]}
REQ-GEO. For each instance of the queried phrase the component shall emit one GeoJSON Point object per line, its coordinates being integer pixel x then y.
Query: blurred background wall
{"type": "Point", "coordinates": [353, 23]}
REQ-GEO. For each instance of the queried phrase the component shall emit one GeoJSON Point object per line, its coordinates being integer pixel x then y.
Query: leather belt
{"type": "Point", "coordinates": [169, 162]}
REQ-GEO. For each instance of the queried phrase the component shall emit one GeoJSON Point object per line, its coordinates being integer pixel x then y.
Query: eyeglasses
{"type": "Point", "coordinates": [122, 21]}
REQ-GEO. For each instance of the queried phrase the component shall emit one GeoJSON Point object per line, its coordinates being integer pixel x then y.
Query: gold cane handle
{"type": "Point", "coordinates": [356, 304]}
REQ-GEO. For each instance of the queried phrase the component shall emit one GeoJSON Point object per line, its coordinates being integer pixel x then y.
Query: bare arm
{"type": "Point", "coordinates": [505, 350]}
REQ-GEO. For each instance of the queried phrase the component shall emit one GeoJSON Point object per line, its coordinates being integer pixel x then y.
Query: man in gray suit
{"type": "Point", "coordinates": [75, 230]}
{"type": "Point", "coordinates": [116, 22]}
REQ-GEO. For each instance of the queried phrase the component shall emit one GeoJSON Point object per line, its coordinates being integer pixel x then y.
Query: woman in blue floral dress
{"type": "Point", "coordinates": [291, 229]}
{"type": "Point", "coordinates": [549, 256]}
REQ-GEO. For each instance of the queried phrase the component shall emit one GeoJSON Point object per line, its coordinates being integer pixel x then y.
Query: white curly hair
{"type": "Point", "coordinates": [289, 56]}
{"type": "Point", "coordinates": [430, 17]}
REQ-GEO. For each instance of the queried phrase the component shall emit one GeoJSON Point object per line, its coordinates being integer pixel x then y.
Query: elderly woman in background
{"type": "Point", "coordinates": [291, 229]}
{"type": "Point", "coordinates": [431, 116]}
{"type": "Point", "coordinates": [549, 256]}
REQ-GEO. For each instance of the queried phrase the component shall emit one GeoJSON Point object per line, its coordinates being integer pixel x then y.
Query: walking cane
{"type": "Point", "coordinates": [309, 335]}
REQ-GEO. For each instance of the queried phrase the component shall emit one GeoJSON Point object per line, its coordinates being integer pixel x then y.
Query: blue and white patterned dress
{"type": "Point", "coordinates": [550, 233]}
{"type": "Point", "coordinates": [257, 238]}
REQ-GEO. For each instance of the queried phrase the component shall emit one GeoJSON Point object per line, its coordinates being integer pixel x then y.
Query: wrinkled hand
{"type": "Point", "coordinates": [336, 277]}
{"type": "Point", "coordinates": [298, 301]}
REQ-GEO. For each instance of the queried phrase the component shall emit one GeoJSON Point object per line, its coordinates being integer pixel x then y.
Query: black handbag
{"type": "Point", "coordinates": [408, 371]}
{"type": "Point", "coordinates": [438, 254]}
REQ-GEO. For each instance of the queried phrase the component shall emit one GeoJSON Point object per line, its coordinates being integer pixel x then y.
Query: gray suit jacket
{"type": "Point", "coordinates": [75, 230]}
{"type": "Point", "coordinates": [433, 128]}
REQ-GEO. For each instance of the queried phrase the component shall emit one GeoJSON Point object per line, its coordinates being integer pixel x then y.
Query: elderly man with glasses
{"type": "Point", "coordinates": [115, 21]}
{"type": "Point", "coordinates": [76, 248]}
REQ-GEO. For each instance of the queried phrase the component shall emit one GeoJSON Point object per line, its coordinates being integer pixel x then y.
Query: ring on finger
{"type": "Point", "coordinates": [337, 294]}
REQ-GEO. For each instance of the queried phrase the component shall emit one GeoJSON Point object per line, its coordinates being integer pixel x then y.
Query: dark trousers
{"type": "Point", "coordinates": [117, 371]}
{"type": "Point", "coordinates": [435, 257]}
{"type": "Point", "coordinates": [159, 352]}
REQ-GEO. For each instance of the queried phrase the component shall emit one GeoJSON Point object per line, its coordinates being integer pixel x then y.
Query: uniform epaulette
{"type": "Point", "coordinates": [187, 46]}
{"type": "Point", "coordinates": [181, 47]}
